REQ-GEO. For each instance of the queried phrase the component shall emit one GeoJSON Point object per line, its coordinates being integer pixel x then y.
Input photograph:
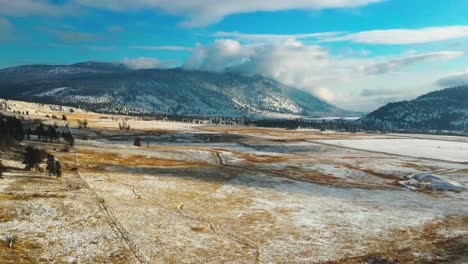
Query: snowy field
{"type": "Point", "coordinates": [419, 148]}
{"type": "Point", "coordinates": [215, 194]}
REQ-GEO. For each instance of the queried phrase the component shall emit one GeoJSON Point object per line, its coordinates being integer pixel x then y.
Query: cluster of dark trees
{"type": "Point", "coordinates": [336, 125]}
{"type": "Point", "coordinates": [64, 118]}
{"type": "Point", "coordinates": [50, 134]}
{"type": "Point", "coordinates": [192, 119]}
{"type": "Point", "coordinates": [53, 166]}
{"type": "Point", "coordinates": [82, 124]}
{"type": "Point", "coordinates": [33, 158]}
{"type": "Point", "coordinates": [11, 130]}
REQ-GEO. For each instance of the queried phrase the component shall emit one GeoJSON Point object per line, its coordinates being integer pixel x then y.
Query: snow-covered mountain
{"type": "Point", "coordinates": [441, 110]}
{"type": "Point", "coordinates": [114, 88]}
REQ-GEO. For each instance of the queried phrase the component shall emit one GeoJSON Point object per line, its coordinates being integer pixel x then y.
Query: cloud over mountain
{"type": "Point", "coordinates": [308, 66]}
{"type": "Point", "coordinates": [146, 63]}
{"type": "Point", "coordinates": [455, 79]}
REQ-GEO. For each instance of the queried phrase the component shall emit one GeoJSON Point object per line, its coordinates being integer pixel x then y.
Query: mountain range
{"type": "Point", "coordinates": [446, 109]}
{"type": "Point", "coordinates": [110, 87]}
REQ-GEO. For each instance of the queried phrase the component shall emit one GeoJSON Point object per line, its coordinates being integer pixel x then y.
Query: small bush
{"type": "Point", "coordinates": [137, 142]}
{"type": "Point", "coordinates": [11, 240]}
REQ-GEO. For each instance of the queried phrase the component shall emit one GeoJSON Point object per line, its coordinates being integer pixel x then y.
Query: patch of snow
{"type": "Point", "coordinates": [419, 148]}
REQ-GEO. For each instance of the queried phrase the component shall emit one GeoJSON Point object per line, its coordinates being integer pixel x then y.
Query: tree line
{"type": "Point", "coordinates": [50, 134]}
{"type": "Point", "coordinates": [12, 131]}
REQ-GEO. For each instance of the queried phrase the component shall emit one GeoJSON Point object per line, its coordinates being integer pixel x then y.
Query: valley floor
{"type": "Point", "coordinates": [198, 193]}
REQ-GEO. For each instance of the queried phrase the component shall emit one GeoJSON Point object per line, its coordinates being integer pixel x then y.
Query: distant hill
{"type": "Point", "coordinates": [109, 87]}
{"type": "Point", "coordinates": [440, 110]}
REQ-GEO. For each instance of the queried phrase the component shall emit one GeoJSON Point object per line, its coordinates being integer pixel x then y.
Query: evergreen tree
{"type": "Point", "coordinates": [33, 158]}
{"type": "Point", "coordinates": [58, 169]}
{"type": "Point", "coordinates": [2, 169]}
{"type": "Point", "coordinates": [137, 141]}
{"type": "Point", "coordinates": [50, 169]}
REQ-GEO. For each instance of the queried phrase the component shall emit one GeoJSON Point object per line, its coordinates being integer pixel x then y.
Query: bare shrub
{"type": "Point", "coordinates": [11, 240]}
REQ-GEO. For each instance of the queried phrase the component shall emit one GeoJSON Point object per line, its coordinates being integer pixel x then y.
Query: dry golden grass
{"type": "Point", "coordinates": [92, 160]}
{"type": "Point", "coordinates": [6, 215]}
{"type": "Point", "coordinates": [21, 252]}
{"type": "Point", "coordinates": [316, 177]}
{"type": "Point", "coordinates": [414, 165]}
{"type": "Point", "coordinates": [371, 172]}
{"type": "Point", "coordinates": [285, 134]}
{"type": "Point", "coordinates": [259, 158]}
{"type": "Point", "coordinates": [425, 244]}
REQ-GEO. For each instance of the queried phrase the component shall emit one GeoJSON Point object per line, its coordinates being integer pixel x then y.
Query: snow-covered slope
{"type": "Point", "coordinates": [442, 110]}
{"type": "Point", "coordinates": [112, 87]}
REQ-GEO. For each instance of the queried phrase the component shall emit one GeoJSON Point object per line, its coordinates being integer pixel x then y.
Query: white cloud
{"type": "Point", "coordinates": [35, 8]}
{"type": "Point", "coordinates": [170, 48]}
{"type": "Point", "coordinates": [454, 79]}
{"type": "Point", "coordinates": [310, 67]}
{"type": "Point", "coordinates": [205, 12]}
{"type": "Point", "coordinates": [325, 93]}
{"type": "Point", "coordinates": [404, 36]}
{"type": "Point", "coordinates": [399, 63]}
{"type": "Point", "coordinates": [145, 63]}
{"type": "Point", "coordinates": [272, 37]}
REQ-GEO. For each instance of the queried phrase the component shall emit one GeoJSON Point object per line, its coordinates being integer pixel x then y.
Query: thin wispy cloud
{"type": "Point", "coordinates": [273, 37]}
{"type": "Point", "coordinates": [399, 63]}
{"type": "Point", "coordinates": [169, 48]}
{"type": "Point", "coordinates": [205, 12]}
{"type": "Point", "coordinates": [23, 8]}
{"type": "Point", "coordinates": [76, 37]}
{"type": "Point", "coordinates": [376, 37]}
{"type": "Point", "coordinates": [404, 36]}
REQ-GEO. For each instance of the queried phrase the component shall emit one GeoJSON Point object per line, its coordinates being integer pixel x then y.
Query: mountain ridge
{"type": "Point", "coordinates": [445, 109]}
{"type": "Point", "coordinates": [113, 87]}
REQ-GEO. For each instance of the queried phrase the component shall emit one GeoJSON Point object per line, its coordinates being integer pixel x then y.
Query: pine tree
{"type": "Point", "coordinates": [137, 141]}
{"type": "Point", "coordinates": [2, 169]}
{"type": "Point", "coordinates": [58, 169]}
{"type": "Point", "coordinates": [50, 169]}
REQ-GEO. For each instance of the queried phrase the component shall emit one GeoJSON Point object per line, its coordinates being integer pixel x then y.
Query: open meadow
{"type": "Point", "coordinates": [199, 193]}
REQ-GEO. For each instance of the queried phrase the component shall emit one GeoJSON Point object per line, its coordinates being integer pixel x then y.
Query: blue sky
{"type": "Point", "coordinates": [357, 54]}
